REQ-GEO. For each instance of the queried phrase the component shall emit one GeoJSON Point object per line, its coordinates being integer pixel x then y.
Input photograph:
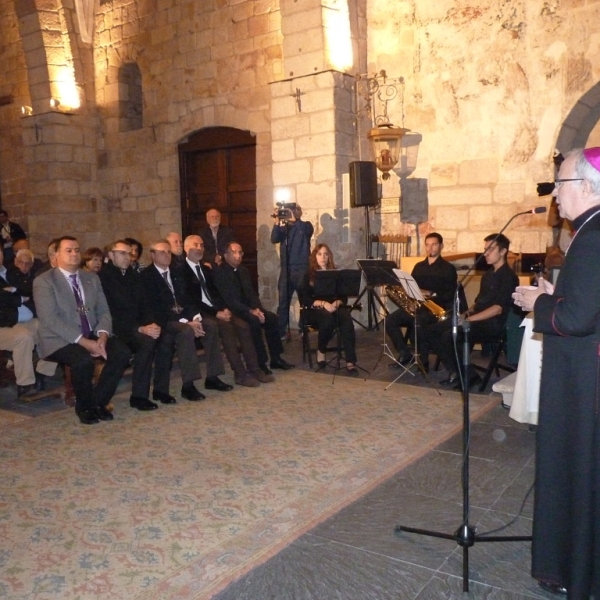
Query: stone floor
{"type": "Point", "coordinates": [356, 554]}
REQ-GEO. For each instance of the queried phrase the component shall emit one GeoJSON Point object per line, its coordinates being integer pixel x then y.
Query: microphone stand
{"type": "Point", "coordinates": [466, 536]}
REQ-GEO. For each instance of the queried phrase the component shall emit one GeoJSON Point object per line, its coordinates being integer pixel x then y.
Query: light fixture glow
{"type": "Point", "coordinates": [283, 195]}
{"type": "Point", "coordinates": [26, 111]}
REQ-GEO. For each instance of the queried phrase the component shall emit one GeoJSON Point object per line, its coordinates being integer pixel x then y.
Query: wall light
{"type": "Point", "coordinates": [54, 103]}
{"type": "Point", "coordinates": [26, 111]}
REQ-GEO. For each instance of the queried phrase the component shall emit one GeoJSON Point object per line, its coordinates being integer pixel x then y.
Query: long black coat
{"type": "Point", "coordinates": [566, 526]}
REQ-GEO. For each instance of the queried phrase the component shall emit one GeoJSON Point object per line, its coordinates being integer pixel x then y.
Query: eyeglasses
{"type": "Point", "coordinates": [558, 182]}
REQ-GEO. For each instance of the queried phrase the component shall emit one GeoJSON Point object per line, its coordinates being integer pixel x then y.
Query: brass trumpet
{"type": "Point", "coordinates": [399, 297]}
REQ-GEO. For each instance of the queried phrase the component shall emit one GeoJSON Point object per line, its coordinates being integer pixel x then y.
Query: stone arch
{"type": "Point", "coordinates": [580, 122]}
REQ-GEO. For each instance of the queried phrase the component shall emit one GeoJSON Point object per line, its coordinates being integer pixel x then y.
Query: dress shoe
{"type": "Point", "coordinates": [142, 403]}
{"type": "Point", "coordinates": [425, 365]}
{"type": "Point", "coordinates": [266, 370]}
{"type": "Point", "coordinates": [247, 381]}
{"type": "Point", "coordinates": [263, 377]}
{"type": "Point", "coordinates": [321, 364]}
{"type": "Point", "coordinates": [352, 370]}
{"type": "Point", "coordinates": [163, 397]}
{"type": "Point", "coordinates": [103, 414]}
{"type": "Point", "coordinates": [189, 392]}
{"type": "Point", "coordinates": [88, 417]}
{"type": "Point", "coordinates": [450, 380]}
{"type": "Point", "coordinates": [553, 588]}
{"type": "Point", "coordinates": [281, 364]}
{"type": "Point", "coordinates": [474, 380]}
{"type": "Point", "coordinates": [214, 383]}
{"type": "Point", "coordinates": [25, 390]}
{"type": "Point", "coordinates": [40, 382]}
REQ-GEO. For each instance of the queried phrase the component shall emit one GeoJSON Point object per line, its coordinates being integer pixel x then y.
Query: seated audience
{"type": "Point", "coordinates": [9, 233]}
{"type": "Point", "coordinates": [92, 260]}
{"type": "Point", "coordinates": [216, 238]}
{"type": "Point", "coordinates": [176, 244]}
{"type": "Point", "coordinates": [18, 334]}
{"type": "Point", "coordinates": [233, 330]}
{"type": "Point", "coordinates": [131, 322]}
{"type": "Point", "coordinates": [136, 254]}
{"type": "Point", "coordinates": [327, 312]}
{"type": "Point", "coordinates": [235, 286]}
{"type": "Point", "coordinates": [179, 319]}
{"type": "Point", "coordinates": [51, 254]}
{"type": "Point", "coordinates": [75, 326]}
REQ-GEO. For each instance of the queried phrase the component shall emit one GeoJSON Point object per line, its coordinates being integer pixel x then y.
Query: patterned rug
{"type": "Point", "coordinates": [177, 503]}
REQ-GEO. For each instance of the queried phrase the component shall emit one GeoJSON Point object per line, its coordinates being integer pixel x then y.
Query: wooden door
{"type": "Point", "coordinates": [218, 170]}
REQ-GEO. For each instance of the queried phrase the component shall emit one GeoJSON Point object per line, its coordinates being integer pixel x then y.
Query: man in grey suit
{"type": "Point", "coordinates": [75, 327]}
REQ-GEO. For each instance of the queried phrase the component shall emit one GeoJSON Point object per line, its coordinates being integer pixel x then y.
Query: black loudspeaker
{"type": "Point", "coordinates": [363, 183]}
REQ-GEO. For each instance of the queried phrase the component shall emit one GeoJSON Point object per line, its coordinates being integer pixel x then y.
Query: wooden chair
{"type": "Point", "coordinates": [391, 247]}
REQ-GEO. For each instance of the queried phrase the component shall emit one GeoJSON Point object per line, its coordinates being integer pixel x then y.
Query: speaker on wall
{"type": "Point", "coordinates": [363, 183]}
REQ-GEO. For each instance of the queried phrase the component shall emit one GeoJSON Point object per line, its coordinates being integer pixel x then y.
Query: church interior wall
{"type": "Point", "coordinates": [488, 85]}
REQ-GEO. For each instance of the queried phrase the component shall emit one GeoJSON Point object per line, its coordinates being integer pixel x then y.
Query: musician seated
{"type": "Point", "coordinates": [325, 313]}
{"type": "Point", "coordinates": [487, 317]}
{"type": "Point", "coordinates": [437, 279]}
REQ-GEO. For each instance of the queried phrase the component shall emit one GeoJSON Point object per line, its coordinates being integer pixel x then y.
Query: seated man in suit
{"type": "Point", "coordinates": [131, 322]}
{"type": "Point", "coordinates": [18, 332]}
{"type": "Point", "coordinates": [216, 238]}
{"type": "Point", "coordinates": [176, 244]}
{"type": "Point", "coordinates": [75, 326]}
{"type": "Point", "coordinates": [173, 310]}
{"type": "Point", "coordinates": [235, 286]}
{"type": "Point", "coordinates": [234, 331]}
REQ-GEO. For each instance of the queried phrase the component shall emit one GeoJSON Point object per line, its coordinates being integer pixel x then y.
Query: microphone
{"type": "Point", "coordinates": [534, 211]}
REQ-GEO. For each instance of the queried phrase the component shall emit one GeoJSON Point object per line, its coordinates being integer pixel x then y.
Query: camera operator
{"type": "Point", "coordinates": [294, 236]}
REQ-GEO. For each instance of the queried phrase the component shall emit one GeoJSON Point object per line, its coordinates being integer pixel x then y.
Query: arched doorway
{"type": "Point", "coordinates": [218, 170]}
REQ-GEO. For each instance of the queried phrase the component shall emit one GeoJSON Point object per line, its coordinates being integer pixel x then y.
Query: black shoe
{"type": "Point", "coordinates": [352, 370]}
{"type": "Point", "coordinates": [553, 588]}
{"type": "Point", "coordinates": [214, 383]}
{"type": "Point", "coordinates": [88, 417]}
{"type": "Point", "coordinates": [425, 365]}
{"type": "Point", "coordinates": [321, 364]}
{"type": "Point", "coordinates": [103, 414]}
{"type": "Point", "coordinates": [266, 370]}
{"type": "Point", "coordinates": [142, 403]}
{"type": "Point", "coordinates": [281, 364]}
{"type": "Point", "coordinates": [25, 390]}
{"type": "Point", "coordinates": [163, 397]}
{"type": "Point", "coordinates": [474, 380]}
{"type": "Point", "coordinates": [40, 382]}
{"type": "Point", "coordinates": [452, 378]}
{"type": "Point", "coordinates": [189, 392]}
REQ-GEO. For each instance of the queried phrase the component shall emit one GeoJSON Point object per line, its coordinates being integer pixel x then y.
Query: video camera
{"type": "Point", "coordinates": [285, 211]}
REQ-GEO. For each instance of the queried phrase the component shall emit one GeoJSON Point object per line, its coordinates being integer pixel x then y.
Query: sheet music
{"type": "Point", "coordinates": [409, 284]}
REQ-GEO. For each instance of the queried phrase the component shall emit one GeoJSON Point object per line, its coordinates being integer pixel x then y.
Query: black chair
{"type": "Point", "coordinates": [305, 332]}
{"type": "Point", "coordinates": [498, 347]}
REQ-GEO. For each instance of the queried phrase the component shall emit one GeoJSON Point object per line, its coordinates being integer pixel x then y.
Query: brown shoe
{"type": "Point", "coordinates": [247, 381]}
{"type": "Point", "coordinates": [263, 377]}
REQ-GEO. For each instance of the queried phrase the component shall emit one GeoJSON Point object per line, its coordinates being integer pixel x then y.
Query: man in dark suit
{"type": "Point", "coordinates": [131, 322]}
{"type": "Point", "coordinates": [235, 286]}
{"type": "Point", "coordinates": [234, 331]}
{"type": "Point", "coordinates": [216, 238]}
{"type": "Point", "coordinates": [75, 326]}
{"type": "Point", "coordinates": [180, 321]}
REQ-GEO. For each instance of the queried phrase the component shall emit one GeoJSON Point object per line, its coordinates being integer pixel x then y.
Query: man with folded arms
{"type": "Point", "coordinates": [234, 331]}
{"type": "Point", "coordinates": [179, 319]}
{"type": "Point", "coordinates": [75, 327]}
{"type": "Point", "coordinates": [131, 321]}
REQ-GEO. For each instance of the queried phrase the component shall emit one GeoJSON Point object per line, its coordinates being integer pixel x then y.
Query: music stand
{"type": "Point", "coordinates": [334, 283]}
{"type": "Point", "coordinates": [373, 270]}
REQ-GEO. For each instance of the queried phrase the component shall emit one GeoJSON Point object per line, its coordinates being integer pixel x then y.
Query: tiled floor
{"type": "Point", "coordinates": [356, 555]}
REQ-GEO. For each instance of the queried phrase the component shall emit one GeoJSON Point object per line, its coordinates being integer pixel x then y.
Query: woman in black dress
{"type": "Point", "coordinates": [325, 313]}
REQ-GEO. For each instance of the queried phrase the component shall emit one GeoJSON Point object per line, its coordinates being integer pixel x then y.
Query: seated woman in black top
{"type": "Point", "coordinates": [327, 312]}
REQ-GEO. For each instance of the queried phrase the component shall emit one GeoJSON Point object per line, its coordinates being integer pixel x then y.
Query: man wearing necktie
{"type": "Point", "coordinates": [75, 327]}
{"type": "Point", "coordinates": [234, 331]}
{"type": "Point", "coordinates": [173, 309]}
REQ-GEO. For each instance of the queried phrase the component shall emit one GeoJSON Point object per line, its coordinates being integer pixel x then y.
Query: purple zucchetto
{"type": "Point", "coordinates": [592, 155]}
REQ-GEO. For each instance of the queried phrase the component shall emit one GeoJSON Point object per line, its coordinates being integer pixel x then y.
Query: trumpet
{"type": "Point", "coordinates": [399, 297]}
